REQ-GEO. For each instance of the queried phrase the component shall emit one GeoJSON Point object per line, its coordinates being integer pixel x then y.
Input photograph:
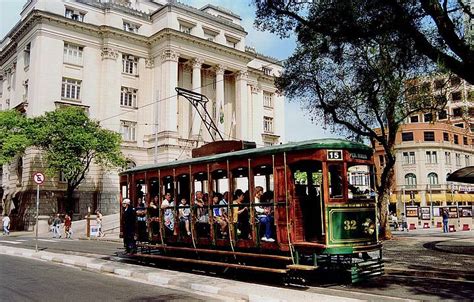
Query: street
{"type": "Point", "coordinates": [31, 280]}
{"type": "Point", "coordinates": [422, 264]}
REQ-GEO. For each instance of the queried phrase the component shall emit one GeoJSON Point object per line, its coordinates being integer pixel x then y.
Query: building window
{"type": "Point", "coordinates": [267, 99]}
{"type": "Point", "coordinates": [431, 157]}
{"type": "Point", "coordinates": [456, 96]}
{"type": "Point", "coordinates": [382, 160]}
{"type": "Point", "coordinates": [447, 157]}
{"type": "Point", "coordinates": [429, 136]}
{"type": "Point", "coordinates": [414, 119]}
{"type": "Point", "coordinates": [128, 130]}
{"type": "Point", "coordinates": [74, 15]}
{"type": "Point", "coordinates": [25, 93]}
{"type": "Point", "coordinates": [456, 139]}
{"type": "Point", "coordinates": [446, 136]}
{"type": "Point", "coordinates": [433, 178]}
{"type": "Point", "coordinates": [72, 54]}
{"type": "Point", "coordinates": [407, 136]}
{"type": "Point", "coordinates": [128, 97]}
{"type": "Point", "coordinates": [455, 81]}
{"type": "Point", "coordinates": [464, 140]}
{"type": "Point", "coordinates": [62, 177]}
{"type": "Point", "coordinates": [129, 64]}
{"type": "Point", "coordinates": [458, 159]}
{"type": "Point", "coordinates": [268, 143]}
{"type": "Point", "coordinates": [268, 124]}
{"type": "Point", "coordinates": [410, 180]}
{"type": "Point", "coordinates": [267, 71]}
{"type": "Point", "coordinates": [409, 158]}
{"type": "Point", "coordinates": [459, 125]}
{"type": "Point", "coordinates": [442, 114]}
{"type": "Point", "coordinates": [71, 89]}
{"type": "Point", "coordinates": [185, 28]}
{"type": "Point", "coordinates": [457, 112]}
{"type": "Point", "coordinates": [428, 117]}
{"type": "Point", "coordinates": [468, 160]}
{"type": "Point", "coordinates": [231, 41]}
{"type": "Point", "coordinates": [130, 27]}
{"type": "Point", "coordinates": [26, 54]}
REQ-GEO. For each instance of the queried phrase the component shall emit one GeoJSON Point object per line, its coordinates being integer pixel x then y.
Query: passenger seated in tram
{"type": "Point", "coordinates": [141, 221]}
{"type": "Point", "coordinates": [184, 213]}
{"type": "Point", "coordinates": [263, 214]}
{"type": "Point", "coordinates": [167, 206]}
{"type": "Point", "coordinates": [240, 215]}
{"type": "Point", "coordinates": [218, 214]}
{"type": "Point", "coordinates": [153, 214]}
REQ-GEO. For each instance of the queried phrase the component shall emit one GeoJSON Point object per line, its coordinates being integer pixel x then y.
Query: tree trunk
{"type": "Point", "coordinates": [70, 196]}
{"type": "Point", "coordinates": [386, 183]}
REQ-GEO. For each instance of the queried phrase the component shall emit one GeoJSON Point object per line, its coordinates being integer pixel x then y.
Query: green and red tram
{"type": "Point", "coordinates": [318, 195]}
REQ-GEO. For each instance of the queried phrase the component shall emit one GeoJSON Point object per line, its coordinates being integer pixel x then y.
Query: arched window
{"type": "Point", "coordinates": [410, 179]}
{"type": "Point", "coordinates": [433, 178]}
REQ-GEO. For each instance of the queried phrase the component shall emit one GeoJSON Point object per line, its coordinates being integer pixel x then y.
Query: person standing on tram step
{"type": "Point", "coordinates": [98, 221]}
{"type": "Point", "coordinates": [445, 221]}
{"type": "Point", "coordinates": [167, 206]}
{"type": "Point", "coordinates": [6, 225]}
{"type": "Point", "coordinates": [57, 226]}
{"type": "Point", "coordinates": [128, 227]}
{"type": "Point", "coordinates": [263, 215]}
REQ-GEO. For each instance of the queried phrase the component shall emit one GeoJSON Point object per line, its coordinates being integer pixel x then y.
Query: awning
{"type": "Point", "coordinates": [407, 198]}
{"type": "Point", "coordinates": [435, 197]}
{"type": "Point", "coordinates": [463, 175]}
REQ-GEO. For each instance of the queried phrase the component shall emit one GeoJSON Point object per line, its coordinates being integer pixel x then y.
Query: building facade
{"type": "Point", "coordinates": [121, 61]}
{"type": "Point", "coordinates": [430, 146]}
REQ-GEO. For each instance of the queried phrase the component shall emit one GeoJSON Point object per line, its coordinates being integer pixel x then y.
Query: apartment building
{"type": "Point", "coordinates": [121, 61]}
{"type": "Point", "coordinates": [430, 146]}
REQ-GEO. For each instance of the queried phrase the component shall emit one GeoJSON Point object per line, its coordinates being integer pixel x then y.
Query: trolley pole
{"type": "Point", "coordinates": [37, 213]}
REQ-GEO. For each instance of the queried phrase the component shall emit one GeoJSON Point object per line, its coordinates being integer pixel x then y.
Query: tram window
{"type": "Point", "coordinates": [183, 186]}
{"type": "Point", "coordinates": [141, 189]}
{"type": "Point", "coordinates": [360, 182]}
{"type": "Point", "coordinates": [168, 186]}
{"type": "Point", "coordinates": [263, 177]}
{"type": "Point", "coordinates": [335, 181]}
{"type": "Point", "coordinates": [154, 188]}
{"type": "Point", "coordinates": [124, 191]}
{"type": "Point", "coordinates": [240, 179]}
{"type": "Point", "coordinates": [220, 183]}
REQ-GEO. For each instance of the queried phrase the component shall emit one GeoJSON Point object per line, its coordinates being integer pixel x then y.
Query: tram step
{"type": "Point", "coordinates": [299, 267]}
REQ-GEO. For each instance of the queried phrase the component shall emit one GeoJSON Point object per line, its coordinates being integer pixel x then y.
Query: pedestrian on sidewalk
{"type": "Point", "coordinates": [404, 222]}
{"type": "Point", "coordinates": [6, 225]}
{"type": "Point", "coordinates": [57, 226]}
{"type": "Point", "coordinates": [67, 226]}
{"type": "Point", "coordinates": [395, 222]}
{"type": "Point", "coordinates": [445, 221]}
{"type": "Point", "coordinates": [129, 220]}
{"type": "Point", "coordinates": [98, 221]}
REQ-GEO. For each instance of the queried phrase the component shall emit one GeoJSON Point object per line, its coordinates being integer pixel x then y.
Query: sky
{"type": "Point", "coordinates": [298, 125]}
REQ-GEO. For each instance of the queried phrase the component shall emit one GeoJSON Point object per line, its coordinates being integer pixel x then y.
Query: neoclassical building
{"type": "Point", "coordinates": [121, 61]}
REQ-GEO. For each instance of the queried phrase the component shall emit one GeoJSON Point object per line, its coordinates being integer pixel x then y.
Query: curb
{"type": "Point", "coordinates": [198, 284]}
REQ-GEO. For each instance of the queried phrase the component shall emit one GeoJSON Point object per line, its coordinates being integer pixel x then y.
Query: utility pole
{"type": "Point", "coordinates": [155, 126]}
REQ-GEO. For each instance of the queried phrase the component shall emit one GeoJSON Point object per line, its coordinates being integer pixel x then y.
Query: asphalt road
{"type": "Point", "coordinates": [32, 280]}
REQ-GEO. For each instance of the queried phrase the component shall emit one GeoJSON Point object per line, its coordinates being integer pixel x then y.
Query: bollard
{"type": "Point", "coordinates": [88, 223]}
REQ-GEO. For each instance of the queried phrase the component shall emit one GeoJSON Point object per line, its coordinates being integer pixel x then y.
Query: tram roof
{"type": "Point", "coordinates": [325, 143]}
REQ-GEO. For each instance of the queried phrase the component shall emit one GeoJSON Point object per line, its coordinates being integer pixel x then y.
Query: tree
{"type": "Point", "coordinates": [70, 142]}
{"type": "Point", "coordinates": [439, 30]}
{"type": "Point", "coordinates": [358, 86]}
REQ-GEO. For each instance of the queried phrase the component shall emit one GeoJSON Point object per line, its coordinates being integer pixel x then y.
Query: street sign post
{"type": "Point", "coordinates": [38, 178]}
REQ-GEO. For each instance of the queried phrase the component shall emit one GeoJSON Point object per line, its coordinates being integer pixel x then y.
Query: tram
{"type": "Point", "coordinates": [317, 195]}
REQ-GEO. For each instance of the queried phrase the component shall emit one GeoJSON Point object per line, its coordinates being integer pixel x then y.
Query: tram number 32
{"type": "Point", "coordinates": [334, 154]}
{"type": "Point", "coordinates": [350, 225]}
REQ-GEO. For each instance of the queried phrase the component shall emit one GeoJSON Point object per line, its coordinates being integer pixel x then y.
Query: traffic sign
{"type": "Point", "coordinates": [38, 178]}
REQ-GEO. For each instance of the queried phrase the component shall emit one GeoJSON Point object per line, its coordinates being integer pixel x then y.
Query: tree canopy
{"type": "Point", "coordinates": [439, 30]}
{"type": "Point", "coordinates": [69, 139]}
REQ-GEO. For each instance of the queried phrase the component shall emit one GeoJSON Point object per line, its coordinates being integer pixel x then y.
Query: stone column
{"type": "Point", "coordinates": [220, 117]}
{"type": "Point", "coordinates": [241, 106]}
{"type": "Point", "coordinates": [196, 119]}
{"type": "Point", "coordinates": [167, 107]}
{"type": "Point", "coordinates": [109, 106]}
